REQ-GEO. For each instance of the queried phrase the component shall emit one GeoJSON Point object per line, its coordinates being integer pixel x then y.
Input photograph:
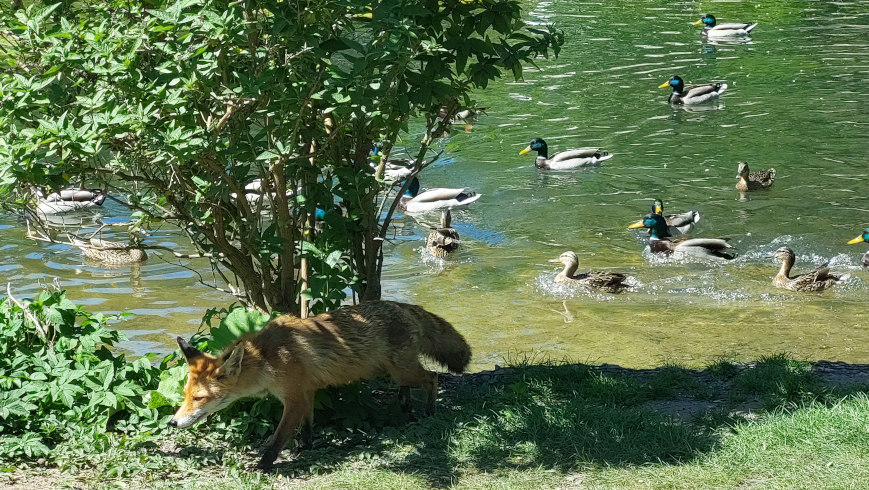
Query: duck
{"type": "Point", "coordinates": [862, 238]}
{"type": "Point", "coordinates": [818, 279]}
{"type": "Point", "coordinates": [435, 199]}
{"type": "Point", "coordinates": [610, 282]}
{"type": "Point", "coordinates": [68, 200]}
{"type": "Point", "coordinates": [752, 181]}
{"type": "Point", "coordinates": [443, 240]}
{"type": "Point", "coordinates": [564, 160]}
{"type": "Point", "coordinates": [677, 224]}
{"type": "Point", "coordinates": [708, 248]}
{"type": "Point", "coordinates": [112, 253]}
{"type": "Point", "coordinates": [394, 169]}
{"type": "Point", "coordinates": [713, 30]}
{"type": "Point", "coordinates": [694, 94]}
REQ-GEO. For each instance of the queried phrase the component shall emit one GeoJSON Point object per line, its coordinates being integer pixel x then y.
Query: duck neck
{"type": "Point", "coordinates": [569, 269]}
{"type": "Point", "coordinates": [543, 151]}
{"type": "Point", "coordinates": [786, 264]}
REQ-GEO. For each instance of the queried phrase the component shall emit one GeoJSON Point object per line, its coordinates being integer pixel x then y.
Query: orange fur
{"type": "Point", "coordinates": [292, 358]}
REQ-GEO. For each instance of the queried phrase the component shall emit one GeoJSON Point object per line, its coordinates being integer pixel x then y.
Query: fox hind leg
{"type": "Point", "coordinates": [413, 374]}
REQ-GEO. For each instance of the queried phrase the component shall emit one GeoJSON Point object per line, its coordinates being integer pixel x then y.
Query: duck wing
{"type": "Point", "coordinates": [703, 90]}
{"type": "Point", "coordinates": [681, 223]}
{"type": "Point", "coordinates": [733, 26]}
{"type": "Point", "coordinates": [705, 247]}
{"type": "Point", "coordinates": [607, 281]}
{"type": "Point", "coordinates": [816, 280]}
{"type": "Point", "coordinates": [763, 177]}
{"type": "Point", "coordinates": [577, 153]}
{"type": "Point", "coordinates": [442, 194]}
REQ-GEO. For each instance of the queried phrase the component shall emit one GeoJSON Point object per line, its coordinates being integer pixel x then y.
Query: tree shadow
{"type": "Point", "coordinates": [570, 417]}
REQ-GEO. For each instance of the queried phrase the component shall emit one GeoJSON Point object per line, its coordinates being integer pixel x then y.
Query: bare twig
{"type": "Point", "coordinates": [40, 329]}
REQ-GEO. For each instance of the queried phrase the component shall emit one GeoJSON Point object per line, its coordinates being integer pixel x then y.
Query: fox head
{"type": "Point", "coordinates": [210, 382]}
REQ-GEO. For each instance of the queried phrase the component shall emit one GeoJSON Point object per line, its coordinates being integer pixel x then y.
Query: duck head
{"type": "Point", "coordinates": [742, 170]}
{"type": "Point", "coordinates": [413, 188]}
{"type": "Point", "coordinates": [446, 218]}
{"type": "Point", "coordinates": [570, 262]}
{"type": "Point", "coordinates": [656, 224]}
{"type": "Point", "coordinates": [676, 82]}
{"type": "Point", "coordinates": [538, 145]}
{"type": "Point", "coordinates": [708, 20]}
{"type": "Point", "coordinates": [658, 207]}
{"type": "Point", "coordinates": [862, 238]}
{"type": "Point", "coordinates": [785, 255]}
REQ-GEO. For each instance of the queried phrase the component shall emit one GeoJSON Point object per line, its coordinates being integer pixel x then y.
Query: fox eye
{"type": "Point", "coordinates": [198, 398]}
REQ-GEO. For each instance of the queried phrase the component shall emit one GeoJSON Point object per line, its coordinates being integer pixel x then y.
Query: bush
{"type": "Point", "coordinates": [58, 375]}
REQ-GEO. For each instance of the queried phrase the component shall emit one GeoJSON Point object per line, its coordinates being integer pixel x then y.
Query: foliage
{"type": "Point", "coordinates": [62, 377]}
{"type": "Point", "coordinates": [178, 107]}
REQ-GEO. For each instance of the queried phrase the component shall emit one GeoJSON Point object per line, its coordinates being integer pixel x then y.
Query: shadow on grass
{"type": "Point", "coordinates": [570, 417]}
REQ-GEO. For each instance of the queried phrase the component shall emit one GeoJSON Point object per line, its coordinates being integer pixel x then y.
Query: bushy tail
{"type": "Point", "coordinates": [440, 340]}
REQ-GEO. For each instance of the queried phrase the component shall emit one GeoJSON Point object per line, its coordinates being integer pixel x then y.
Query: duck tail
{"type": "Point", "coordinates": [749, 28]}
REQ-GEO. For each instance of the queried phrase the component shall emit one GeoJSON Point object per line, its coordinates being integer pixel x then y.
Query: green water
{"type": "Point", "coordinates": [795, 101]}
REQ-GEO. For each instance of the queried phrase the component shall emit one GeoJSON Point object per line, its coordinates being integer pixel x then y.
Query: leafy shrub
{"type": "Point", "coordinates": [58, 375]}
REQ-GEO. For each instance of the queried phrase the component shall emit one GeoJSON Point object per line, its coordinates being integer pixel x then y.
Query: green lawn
{"type": "Point", "coordinates": [770, 424]}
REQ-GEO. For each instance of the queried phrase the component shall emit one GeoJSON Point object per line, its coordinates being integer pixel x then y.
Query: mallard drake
{"type": "Point", "coordinates": [112, 253]}
{"type": "Point", "coordinates": [394, 169]}
{"type": "Point", "coordinates": [713, 30]}
{"type": "Point", "coordinates": [443, 240]}
{"type": "Point", "coordinates": [818, 279]}
{"type": "Point", "coordinates": [564, 160]}
{"type": "Point", "coordinates": [611, 282]}
{"type": "Point", "coordinates": [710, 248]}
{"type": "Point", "coordinates": [435, 199]}
{"type": "Point", "coordinates": [862, 238]}
{"type": "Point", "coordinates": [677, 224]}
{"type": "Point", "coordinates": [752, 181]}
{"type": "Point", "coordinates": [694, 94]}
{"type": "Point", "coordinates": [69, 200]}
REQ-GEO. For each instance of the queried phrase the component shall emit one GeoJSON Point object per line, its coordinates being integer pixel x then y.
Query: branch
{"type": "Point", "coordinates": [40, 329]}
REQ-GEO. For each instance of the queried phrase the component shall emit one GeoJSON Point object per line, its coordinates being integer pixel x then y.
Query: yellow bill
{"type": "Point", "coordinates": [638, 224]}
{"type": "Point", "coordinates": [698, 22]}
{"type": "Point", "coordinates": [526, 150]}
{"type": "Point", "coordinates": [856, 240]}
{"type": "Point", "coordinates": [554, 260]}
{"type": "Point", "coordinates": [665, 84]}
{"type": "Point", "coordinates": [659, 210]}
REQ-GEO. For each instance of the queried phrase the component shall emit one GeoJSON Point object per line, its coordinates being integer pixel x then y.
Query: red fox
{"type": "Point", "coordinates": [292, 358]}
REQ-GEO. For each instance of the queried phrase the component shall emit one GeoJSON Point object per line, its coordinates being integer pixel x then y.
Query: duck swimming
{"type": "Point", "coordinates": [693, 94]}
{"type": "Point", "coordinates": [564, 160]}
{"type": "Point", "coordinates": [443, 240]}
{"type": "Point", "coordinates": [752, 181]}
{"type": "Point", "coordinates": [818, 279]}
{"type": "Point", "coordinates": [610, 282]}
{"type": "Point", "coordinates": [677, 224]}
{"type": "Point", "coordinates": [112, 253]}
{"type": "Point", "coordinates": [713, 30]}
{"type": "Point", "coordinates": [860, 239]}
{"type": "Point", "coordinates": [435, 199]}
{"type": "Point", "coordinates": [708, 248]}
{"type": "Point", "coordinates": [69, 200]}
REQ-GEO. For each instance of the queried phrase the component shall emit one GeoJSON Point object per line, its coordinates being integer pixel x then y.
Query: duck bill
{"type": "Point", "coordinates": [698, 22]}
{"type": "Point", "coordinates": [554, 261]}
{"type": "Point", "coordinates": [665, 84]}
{"type": "Point", "coordinates": [659, 210]}
{"type": "Point", "coordinates": [638, 224]}
{"type": "Point", "coordinates": [526, 150]}
{"type": "Point", "coordinates": [856, 240]}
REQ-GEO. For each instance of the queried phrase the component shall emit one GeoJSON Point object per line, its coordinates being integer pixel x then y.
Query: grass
{"type": "Point", "coordinates": [769, 424]}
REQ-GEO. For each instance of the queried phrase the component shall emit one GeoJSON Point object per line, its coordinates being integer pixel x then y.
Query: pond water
{"type": "Point", "coordinates": [795, 102]}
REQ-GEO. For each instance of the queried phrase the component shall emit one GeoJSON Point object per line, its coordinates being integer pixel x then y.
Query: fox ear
{"type": "Point", "coordinates": [232, 363]}
{"type": "Point", "coordinates": [188, 350]}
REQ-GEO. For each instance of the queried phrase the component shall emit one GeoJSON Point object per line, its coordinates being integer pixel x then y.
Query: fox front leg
{"type": "Point", "coordinates": [295, 410]}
